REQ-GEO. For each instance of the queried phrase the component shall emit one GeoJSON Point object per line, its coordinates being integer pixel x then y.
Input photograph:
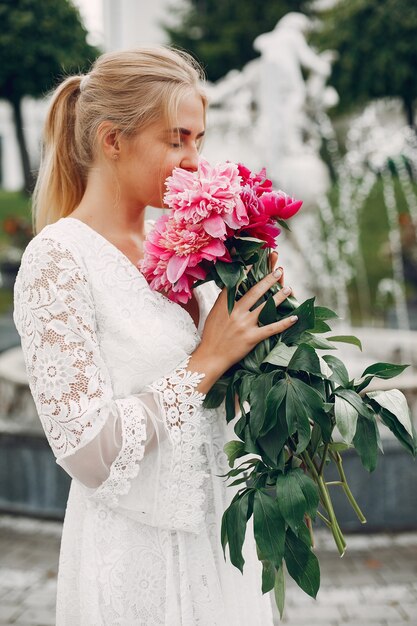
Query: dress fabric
{"type": "Point", "coordinates": [106, 359]}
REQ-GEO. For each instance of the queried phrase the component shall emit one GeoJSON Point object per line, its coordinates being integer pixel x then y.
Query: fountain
{"type": "Point", "coordinates": [267, 115]}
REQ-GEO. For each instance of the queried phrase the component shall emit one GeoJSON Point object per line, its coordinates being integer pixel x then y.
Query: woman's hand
{"type": "Point", "coordinates": [228, 338]}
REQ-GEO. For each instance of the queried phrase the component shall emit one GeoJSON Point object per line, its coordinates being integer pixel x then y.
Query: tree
{"type": "Point", "coordinates": [40, 41]}
{"type": "Point", "coordinates": [376, 41]}
{"type": "Point", "coordinates": [220, 34]}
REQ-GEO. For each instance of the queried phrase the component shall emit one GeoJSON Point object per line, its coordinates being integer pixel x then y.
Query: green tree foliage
{"type": "Point", "coordinates": [377, 45]}
{"type": "Point", "coordinates": [220, 34]}
{"type": "Point", "coordinates": [40, 41]}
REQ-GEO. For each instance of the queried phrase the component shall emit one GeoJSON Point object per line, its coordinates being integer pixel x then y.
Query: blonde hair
{"type": "Point", "coordinates": [131, 89]}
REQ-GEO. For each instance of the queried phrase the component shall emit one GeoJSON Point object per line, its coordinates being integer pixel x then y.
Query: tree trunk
{"type": "Point", "coordinates": [27, 174]}
{"type": "Point", "coordinates": [409, 112]}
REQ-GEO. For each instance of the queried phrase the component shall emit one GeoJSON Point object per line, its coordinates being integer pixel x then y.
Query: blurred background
{"type": "Point", "coordinates": [323, 94]}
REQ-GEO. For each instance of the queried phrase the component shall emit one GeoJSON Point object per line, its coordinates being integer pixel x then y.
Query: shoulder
{"type": "Point", "coordinates": [55, 254]}
{"type": "Point", "coordinates": [55, 240]}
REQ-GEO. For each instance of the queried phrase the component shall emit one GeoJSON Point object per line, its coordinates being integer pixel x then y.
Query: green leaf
{"type": "Point", "coordinates": [269, 527]}
{"type": "Point", "coordinates": [268, 315]}
{"type": "Point", "coordinates": [346, 339]}
{"type": "Point", "coordinates": [355, 400]}
{"type": "Point", "coordinates": [216, 394]}
{"type": "Point", "coordinates": [231, 297]}
{"type": "Point", "coordinates": [257, 400]}
{"type": "Point", "coordinates": [279, 589]}
{"type": "Point", "coordinates": [302, 564]}
{"type": "Point", "coordinates": [280, 355]}
{"type": "Point", "coordinates": [236, 520]}
{"type": "Point", "coordinates": [323, 313]}
{"type": "Point", "coordinates": [273, 401]}
{"type": "Point", "coordinates": [245, 386]}
{"type": "Point", "coordinates": [320, 327]}
{"type": "Point", "coordinates": [340, 373]}
{"type": "Point", "coordinates": [230, 273]}
{"type": "Point", "coordinates": [305, 359]}
{"type": "Point", "coordinates": [283, 224]}
{"type": "Point", "coordinates": [395, 402]}
{"type": "Point", "coordinates": [304, 403]}
{"type": "Point", "coordinates": [389, 419]}
{"type": "Point", "coordinates": [268, 576]}
{"type": "Point", "coordinates": [290, 499]}
{"type": "Point", "coordinates": [250, 445]}
{"type": "Point", "coordinates": [256, 356]}
{"type": "Point", "coordinates": [366, 442]}
{"type": "Point", "coordinates": [310, 492]}
{"type": "Point", "coordinates": [315, 439]}
{"type": "Point", "coordinates": [234, 450]}
{"type": "Point", "coordinates": [319, 343]}
{"type": "Point", "coordinates": [306, 320]}
{"type": "Point", "coordinates": [247, 246]}
{"type": "Point", "coordinates": [346, 418]}
{"type": "Point", "coordinates": [273, 441]}
{"type": "Point", "coordinates": [384, 370]}
{"type": "Point", "coordinates": [292, 489]}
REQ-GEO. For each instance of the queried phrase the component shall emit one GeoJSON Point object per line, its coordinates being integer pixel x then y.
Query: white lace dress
{"type": "Point", "coordinates": [106, 360]}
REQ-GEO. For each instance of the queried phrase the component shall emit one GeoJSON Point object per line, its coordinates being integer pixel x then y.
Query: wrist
{"type": "Point", "coordinates": [211, 366]}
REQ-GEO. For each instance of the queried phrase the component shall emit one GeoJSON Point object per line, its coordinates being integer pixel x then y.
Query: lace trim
{"type": "Point", "coordinates": [126, 466]}
{"type": "Point", "coordinates": [183, 494]}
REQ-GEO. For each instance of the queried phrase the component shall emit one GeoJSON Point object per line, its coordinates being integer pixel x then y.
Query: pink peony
{"type": "Point", "coordinates": [210, 196]}
{"type": "Point", "coordinates": [209, 207]}
{"type": "Point", "coordinates": [174, 251]}
{"type": "Point", "coordinates": [280, 206]}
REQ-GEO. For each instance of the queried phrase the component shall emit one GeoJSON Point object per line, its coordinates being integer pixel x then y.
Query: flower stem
{"type": "Point", "coordinates": [327, 503]}
{"type": "Point", "coordinates": [323, 459]}
{"type": "Point", "coordinates": [338, 460]}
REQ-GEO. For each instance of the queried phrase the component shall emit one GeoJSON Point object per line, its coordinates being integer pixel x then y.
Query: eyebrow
{"type": "Point", "coordinates": [185, 131]}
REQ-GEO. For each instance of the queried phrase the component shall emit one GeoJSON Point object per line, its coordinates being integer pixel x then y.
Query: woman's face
{"type": "Point", "coordinates": [149, 158]}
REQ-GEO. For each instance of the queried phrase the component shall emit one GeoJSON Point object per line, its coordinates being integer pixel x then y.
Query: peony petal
{"type": "Point", "coordinates": [215, 226]}
{"type": "Point", "coordinates": [176, 268]}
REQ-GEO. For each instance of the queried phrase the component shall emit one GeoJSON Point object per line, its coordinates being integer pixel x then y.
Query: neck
{"type": "Point", "coordinates": [104, 209]}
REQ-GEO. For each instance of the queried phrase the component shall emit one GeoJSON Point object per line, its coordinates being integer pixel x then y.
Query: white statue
{"type": "Point", "coordinates": [283, 91]}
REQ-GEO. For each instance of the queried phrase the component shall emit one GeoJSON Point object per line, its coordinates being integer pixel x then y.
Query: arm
{"type": "Point", "coordinates": [98, 439]}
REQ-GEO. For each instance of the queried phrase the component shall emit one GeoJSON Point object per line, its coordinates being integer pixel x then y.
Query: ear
{"type": "Point", "coordinates": [109, 139]}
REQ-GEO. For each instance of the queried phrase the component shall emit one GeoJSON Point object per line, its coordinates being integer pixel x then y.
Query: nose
{"type": "Point", "coordinates": [190, 159]}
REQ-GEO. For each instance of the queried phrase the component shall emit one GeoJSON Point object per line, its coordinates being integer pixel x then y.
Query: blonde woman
{"type": "Point", "coordinates": [119, 372]}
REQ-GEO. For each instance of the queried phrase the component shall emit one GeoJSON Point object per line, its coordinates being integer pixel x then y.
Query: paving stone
{"type": "Point", "coordinates": [8, 612]}
{"type": "Point", "coordinates": [373, 613]}
{"type": "Point", "coordinates": [410, 611]}
{"type": "Point", "coordinates": [316, 615]}
{"type": "Point", "coordinates": [38, 617]}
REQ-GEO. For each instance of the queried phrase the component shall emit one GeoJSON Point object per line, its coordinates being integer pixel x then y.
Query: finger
{"type": "Point", "coordinates": [258, 290]}
{"type": "Point", "coordinates": [273, 260]}
{"type": "Point", "coordinates": [277, 327]}
{"type": "Point", "coordinates": [281, 280]}
{"type": "Point", "coordinates": [279, 297]}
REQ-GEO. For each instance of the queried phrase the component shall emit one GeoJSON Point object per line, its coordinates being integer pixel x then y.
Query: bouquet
{"type": "Point", "coordinates": [299, 409]}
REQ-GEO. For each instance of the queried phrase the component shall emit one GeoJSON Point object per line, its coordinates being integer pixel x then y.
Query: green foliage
{"type": "Point", "coordinates": [377, 50]}
{"type": "Point", "coordinates": [294, 400]}
{"type": "Point", "coordinates": [40, 40]}
{"type": "Point", "coordinates": [221, 34]}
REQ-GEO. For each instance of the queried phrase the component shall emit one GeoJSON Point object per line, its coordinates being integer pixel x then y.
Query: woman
{"type": "Point", "coordinates": [119, 372]}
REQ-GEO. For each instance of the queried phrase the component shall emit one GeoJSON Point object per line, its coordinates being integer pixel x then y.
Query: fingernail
{"type": "Point", "coordinates": [286, 290]}
{"type": "Point", "coordinates": [277, 273]}
{"type": "Point", "coordinates": [293, 318]}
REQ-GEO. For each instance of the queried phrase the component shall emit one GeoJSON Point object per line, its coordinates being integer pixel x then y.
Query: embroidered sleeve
{"type": "Point", "coordinates": [99, 440]}
{"type": "Point", "coordinates": [96, 438]}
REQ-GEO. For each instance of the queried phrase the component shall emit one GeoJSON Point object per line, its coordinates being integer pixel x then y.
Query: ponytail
{"type": "Point", "coordinates": [131, 89]}
{"type": "Point", "coordinates": [61, 183]}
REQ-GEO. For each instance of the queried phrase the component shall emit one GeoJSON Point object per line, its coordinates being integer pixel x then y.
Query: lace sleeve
{"type": "Point", "coordinates": [99, 440]}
